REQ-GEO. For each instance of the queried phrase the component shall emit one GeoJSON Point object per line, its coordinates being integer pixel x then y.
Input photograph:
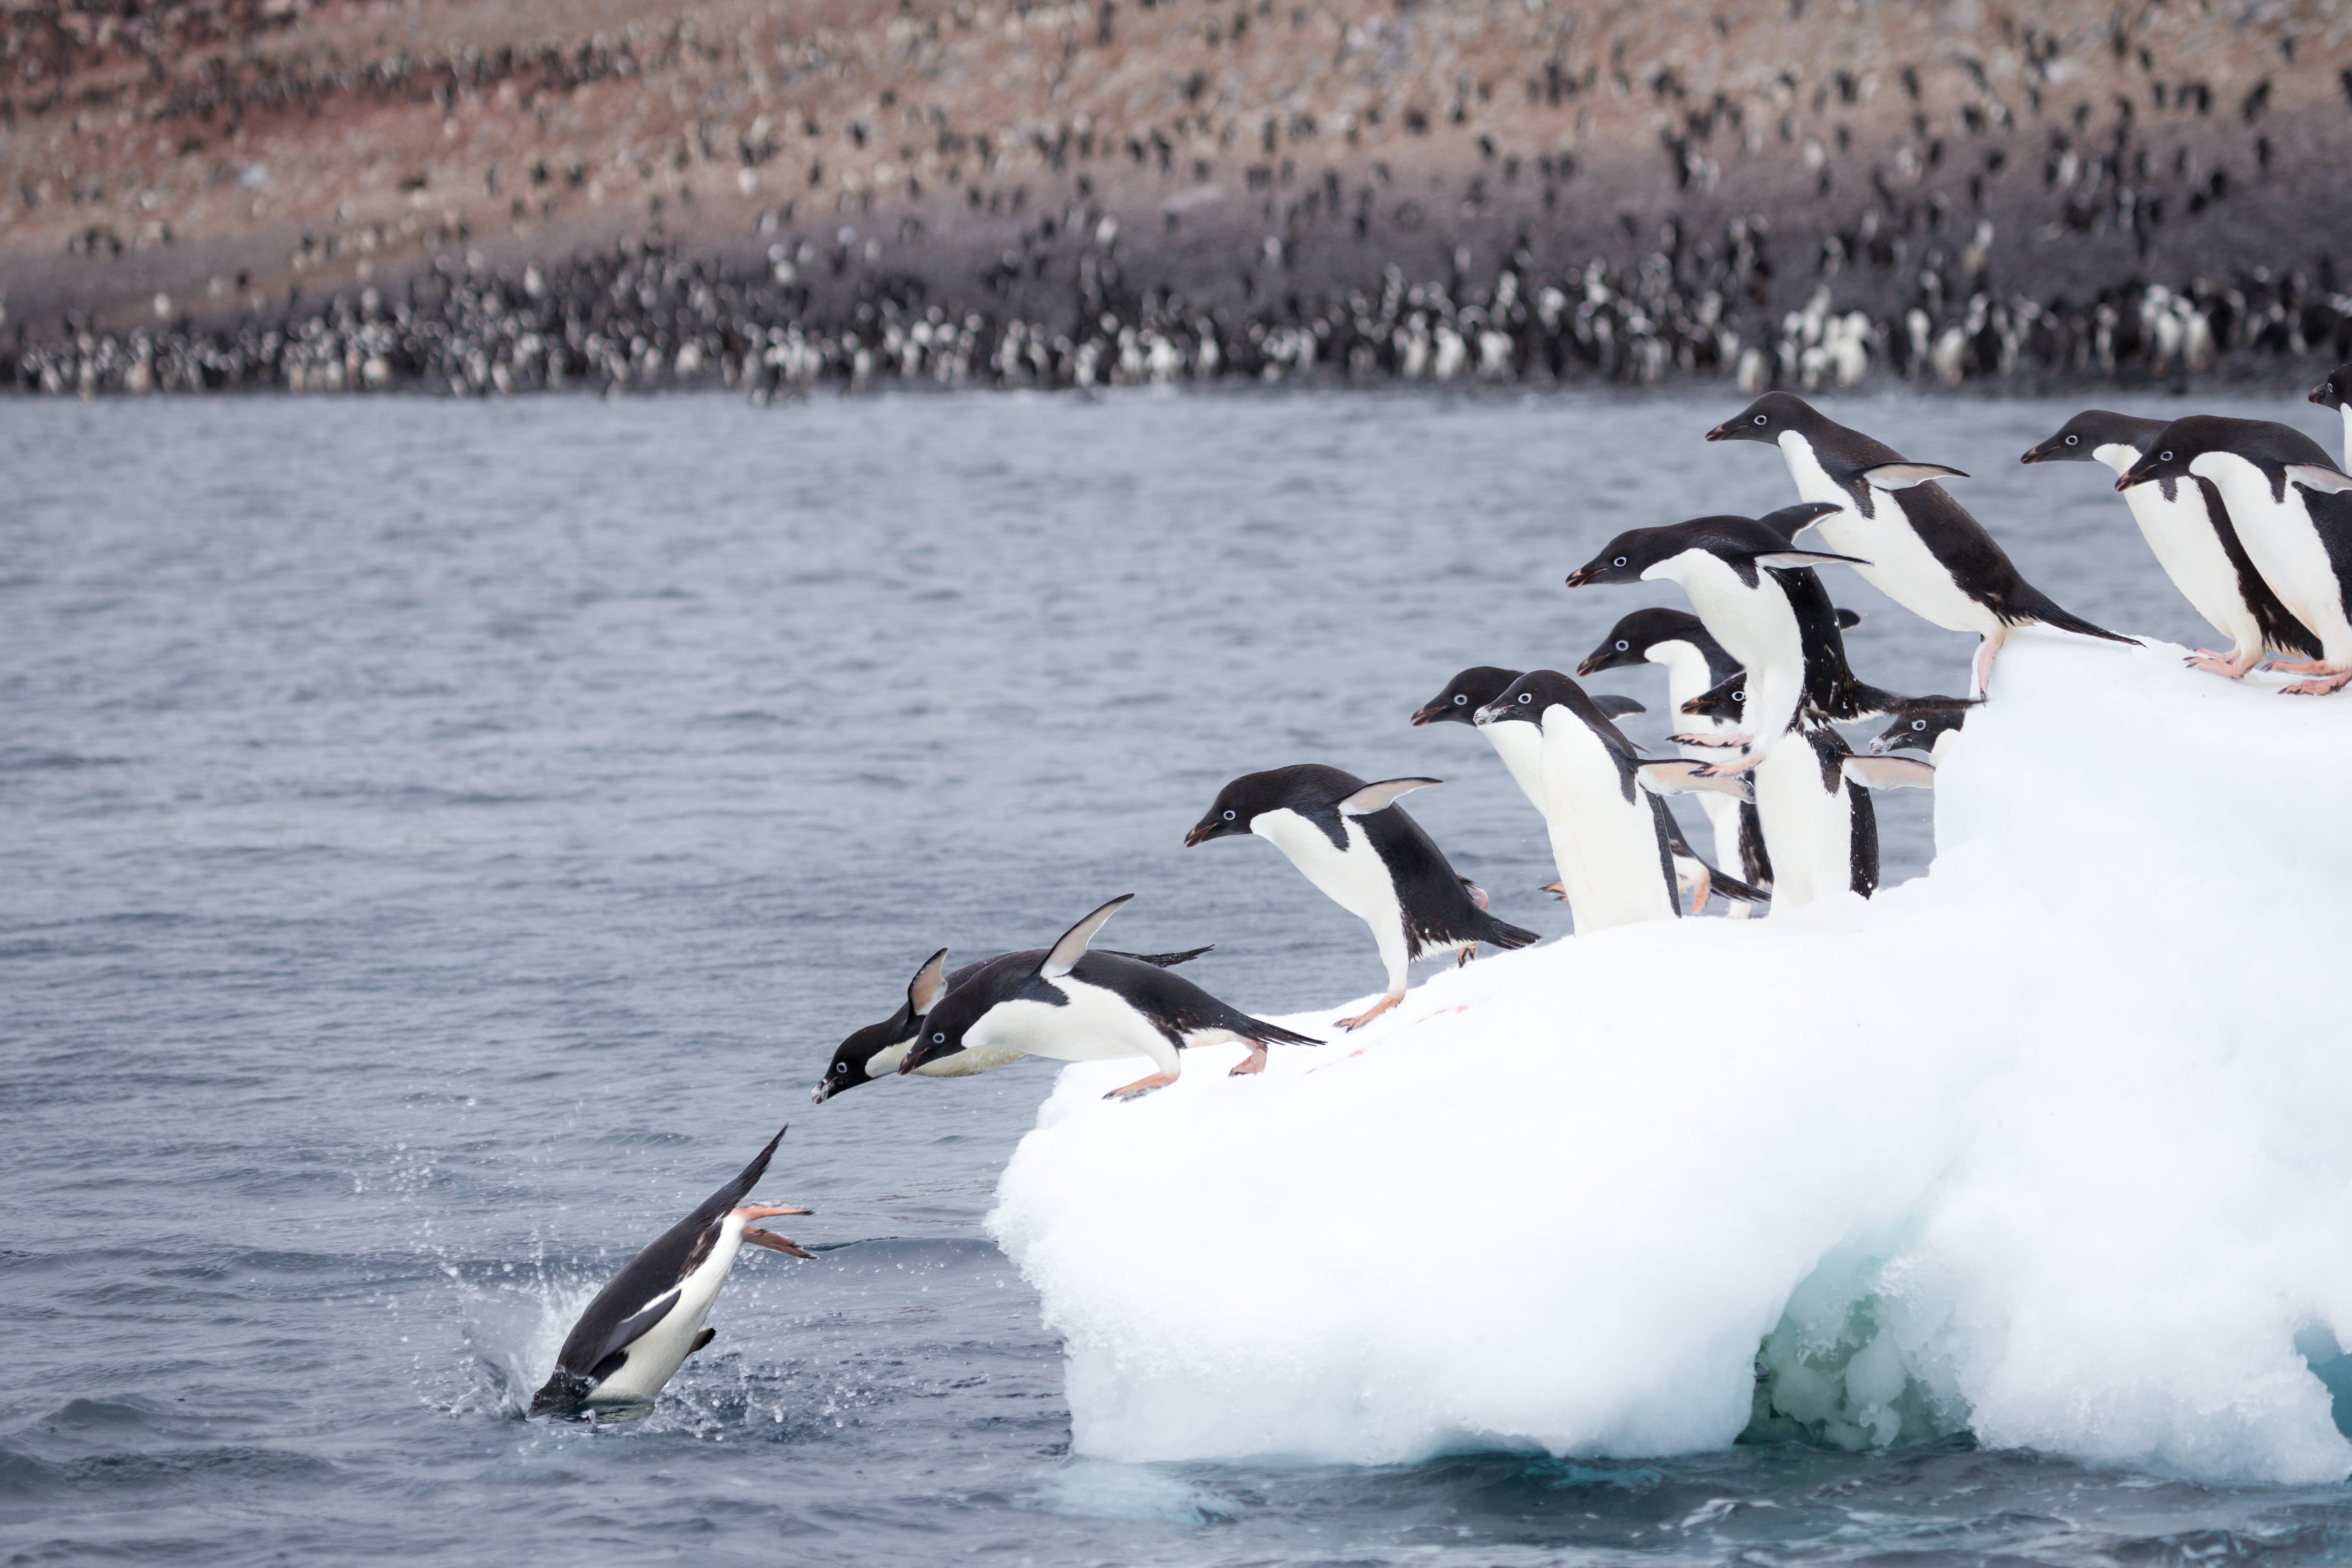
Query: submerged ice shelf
{"type": "Point", "coordinates": [2048, 1145]}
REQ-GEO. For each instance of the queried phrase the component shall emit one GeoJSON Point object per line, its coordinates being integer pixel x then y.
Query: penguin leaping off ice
{"type": "Point", "coordinates": [641, 1327]}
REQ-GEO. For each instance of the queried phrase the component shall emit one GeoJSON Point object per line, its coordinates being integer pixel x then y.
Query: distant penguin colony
{"type": "Point", "coordinates": [2252, 521]}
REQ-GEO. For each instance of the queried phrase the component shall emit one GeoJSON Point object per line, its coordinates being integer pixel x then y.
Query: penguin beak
{"type": "Point", "coordinates": [1420, 716]}
{"type": "Point", "coordinates": [1591, 665]}
{"type": "Point", "coordinates": [1199, 833]}
{"type": "Point", "coordinates": [2319, 394]}
{"type": "Point", "coordinates": [1725, 431]}
{"type": "Point", "coordinates": [2129, 479]}
{"type": "Point", "coordinates": [1492, 713]}
{"type": "Point", "coordinates": [1583, 575]}
{"type": "Point", "coordinates": [2035, 454]}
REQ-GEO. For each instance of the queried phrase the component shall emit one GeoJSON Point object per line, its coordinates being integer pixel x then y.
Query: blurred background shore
{"type": "Point", "coordinates": [484, 195]}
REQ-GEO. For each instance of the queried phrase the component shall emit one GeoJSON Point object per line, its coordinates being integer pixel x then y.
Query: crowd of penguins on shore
{"type": "Point", "coordinates": [2249, 519]}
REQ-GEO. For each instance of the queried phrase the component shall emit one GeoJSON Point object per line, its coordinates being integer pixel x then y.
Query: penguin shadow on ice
{"type": "Point", "coordinates": [1074, 1005]}
{"type": "Point", "coordinates": [1358, 847]}
{"type": "Point", "coordinates": [639, 1330]}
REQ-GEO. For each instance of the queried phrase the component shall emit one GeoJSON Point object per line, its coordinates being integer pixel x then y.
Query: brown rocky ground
{"type": "Point", "coordinates": [2073, 186]}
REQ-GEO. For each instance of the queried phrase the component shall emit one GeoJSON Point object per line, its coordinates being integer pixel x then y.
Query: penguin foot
{"type": "Point", "coordinates": [1253, 1062]}
{"type": "Point", "coordinates": [2320, 687]}
{"type": "Point", "coordinates": [1142, 1086]}
{"type": "Point", "coordinates": [2219, 663]}
{"type": "Point", "coordinates": [1702, 885]}
{"type": "Point", "coordinates": [2298, 666]}
{"type": "Point", "coordinates": [1713, 738]}
{"type": "Point", "coordinates": [1555, 889]}
{"type": "Point", "coordinates": [774, 1243]}
{"type": "Point", "coordinates": [1377, 1008]}
{"type": "Point", "coordinates": [1727, 770]}
{"type": "Point", "coordinates": [1463, 957]}
{"type": "Point", "coordinates": [1980, 668]}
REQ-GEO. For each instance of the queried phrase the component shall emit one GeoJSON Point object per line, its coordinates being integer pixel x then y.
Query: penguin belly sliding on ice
{"type": "Point", "coordinates": [1612, 837]}
{"type": "Point", "coordinates": [2292, 510]}
{"type": "Point", "coordinates": [2189, 531]}
{"type": "Point", "coordinates": [876, 1051]}
{"type": "Point", "coordinates": [641, 1327]}
{"type": "Point", "coordinates": [1073, 1005]}
{"type": "Point", "coordinates": [1915, 543]}
{"type": "Point", "coordinates": [1357, 845]}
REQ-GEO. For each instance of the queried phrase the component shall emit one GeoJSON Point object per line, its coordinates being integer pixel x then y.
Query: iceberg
{"type": "Point", "coordinates": [2052, 1146]}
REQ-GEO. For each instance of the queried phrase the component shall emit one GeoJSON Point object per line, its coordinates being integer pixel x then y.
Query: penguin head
{"type": "Point", "coordinates": [2336, 392]}
{"type": "Point", "coordinates": [1529, 696]}
{"type": "Point", "coordinates": [2170, 451]}
{"type": "Point", "coordinates": [1631, 639]}
{"type": "Point", "coordinates": [850, 1061]}
{"type": "Point", "coordinates": [2090, 430]}
{"type": "Point", "coordinates": [1724, 700]}
{"type": "Point", "coordinates": [942, 1034]}
{"type": "Point", "coordinates": [1310, 789]}
{"type": "Point", "coordinates": [1627, 557]}
{"type": "Point", "coordinates": [1765, 419]}
{"type": "Point", "coordinates": [1920, 723]}
{"type": "Point", "coordinates": [1465, 695]}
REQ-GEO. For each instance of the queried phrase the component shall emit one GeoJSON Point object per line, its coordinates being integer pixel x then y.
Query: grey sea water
{"type": "Point", "coordinates": [440, 841]}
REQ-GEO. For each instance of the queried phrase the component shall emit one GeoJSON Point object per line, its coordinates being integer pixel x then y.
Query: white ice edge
{"type": "Point", "coordinates": [2054, 1144]}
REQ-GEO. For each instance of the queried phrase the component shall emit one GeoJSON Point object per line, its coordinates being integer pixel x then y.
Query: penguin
{"type": "Point", "coordinates": [873, 1051]}
{"type": "Point", "coordinates": [1612, 837]}
{"type": "Point", "coordinates": [2288, 501]}
{"type": "Point", "coordinates": [1752, 590]}
{"type": "Point", "coordinates": [1931, 729]}
{"type": "Point", "coordinates": [641, 1327]}
{"type": "Point", "coordinates": [2189, 532]}
{"type": "Point", "coordinates": [2335, 393]}
{"type": "Point", "coordinates": [1352, 840]}
{"type": "Point", "coordinates": [1522, 754]}
{"type": "Point", "coordinates": [1695, 877]}
{"type": "Point", "coordinates": [1916, 544]}
{"type": "Point", "coordinates": [1813, 796]}
{"type": "Point", "coordinates": [1078, 1006]}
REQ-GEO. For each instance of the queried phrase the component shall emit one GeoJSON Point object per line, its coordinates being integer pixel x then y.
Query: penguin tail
{"type": "Point", "coordinates": [1860, 700]}
{"type": "Point", "coordinates": [1169, 959]}
{"type": "Point", "coordinates": [1503, 934]}
{"type": "Point", "coordinates": [2029, 604]}
{"type": "Point", "coordinates": [1266, 1033]}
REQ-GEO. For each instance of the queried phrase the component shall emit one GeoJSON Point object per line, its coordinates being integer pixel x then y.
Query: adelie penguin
{"type": "Point", "coordinates": [2189, 529]}
{"type": "Point", "coordinates": [2293, 513]}
{"type": "Point", "coordinates": [1522, 754]}
{"type": "Point", "coordinates": [1073, 1005]}
{"type": "Point", "coordinates": [1919, 547]}
{"type": "Point", "coordinates": [2335, 393]}
{"type": "Point", "coordinates": [1354, 843]}
{"type": "Point", "coordinates": [1931, 727]}
{"type": "Point", "coordinates": [641, 1327]}
{"type": "Point", "coordinates": [1612, 837]}
{"type": "Point", "coordinates": [1756, 592]}
{"type": "Point", "coordinates": [876, 1051]}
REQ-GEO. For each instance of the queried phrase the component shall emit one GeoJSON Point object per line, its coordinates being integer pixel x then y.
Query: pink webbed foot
{"type": "Point", "coordinates": [1701, 885]}
{"type": "Point", "coordinates": [1726, 770]}
{"type": "Point", "coordinates": [1723, 738]}
{"type": "Point", "coordinates": [2320, 687]}
{"type": "Point", "coordinates": [2300, 666]}
{"type": "Point", "coordinates": [1374, 1011]}
{"type": "Point", "coordinates": [1555, 889]}
{"type": "Point", "coordinates": [1142, 1086]}
{"type": "Point", "coordinates": [1463, 957]}
{"type": "Point", "coordinates": [2228, 666]}
{"type": "Point", "coordinates": [1253, 1062]}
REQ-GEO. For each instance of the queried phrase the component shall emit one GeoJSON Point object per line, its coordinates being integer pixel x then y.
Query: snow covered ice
{"type": "Point", "coordinates": [2052, 1144]}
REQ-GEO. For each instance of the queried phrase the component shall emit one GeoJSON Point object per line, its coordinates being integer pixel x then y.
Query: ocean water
{"type": "Point", "coordinates": [439, 842]}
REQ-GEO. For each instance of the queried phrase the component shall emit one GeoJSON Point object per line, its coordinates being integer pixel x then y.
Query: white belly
{"type": "Point", "coordinates": [655, 1356]}
{"type": "Point", "coordinates": [966, 1062]}
{"type": "Point", "coordinates": [2283, 547]}
{"type": "Point", "coordinates": [1808, 830]}
{"type": "Point", "coordinates": [1686, 676]}
{"type": "Point", "coordinates": [1094, 1025]}
{"type": "Point", "coordinates": [1521, 748]}
{"type": "Point", "coordinates": [2181, 537]}
{"type": "Point", "coordinates": [1901, 565]}
{"type": "Point", "coordinates": [1356, 879]}
{"type": "Point", "coordinates": [1605, 846]}
{"type": "Point", "coordinates": [1757, 628]}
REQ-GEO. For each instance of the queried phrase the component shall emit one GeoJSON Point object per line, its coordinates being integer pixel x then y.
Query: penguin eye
{"type": "Point", "coordinates": [1527, 696]}
{"type": "Point", "coordinates": [1622, 645]}
{"type": "Point", "coordinates": [1621, 560]}
{"type": "Point", "coordinates": [938, 1039]}
{"type": "Point", "coordinates": [1918, 724]}
{"type": "Point", "coordinates": [2164, 458]}
{"type": "Point", "coordinates": [1741, 696]}
{"type": "Point", "coordinates": [1761, 419]}
{"type": "Point", "coordinates": [1459, 698]}
{"type": "Point", "coordinates": [2071, 440]}
{"type": "Point", "coordinates": [1229, 816]}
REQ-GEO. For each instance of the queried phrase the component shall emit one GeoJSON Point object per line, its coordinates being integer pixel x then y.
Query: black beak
{"type": "Point", "coordinates": [2319, 394]}
{"type": "Point", "coordinates": [1424, 715]}
{"type": "Point", "coordinates": [1583, 575]}
{"type": "Point", "coordinates": [2126, 482]}
{"type": "Point", "coordinates": [1193, 839]}
{"type": "Point", "coordinates": [1591, 665]}
{"type": "Point", "coordinates": [2035, 454]}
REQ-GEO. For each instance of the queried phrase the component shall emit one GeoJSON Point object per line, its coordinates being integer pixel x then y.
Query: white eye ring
{"type": "Point", "coordinates": [1622, 645]}
{"type": "Point", "coordinates": [2071, 440]}
{"type": "Point", "coordinates": [1759, 419]}
{"type": "Point", "coordinates": [1459, 698]}
{"type": "Point", "coordinates": [1527, 696]}
{"type": "Point", "coordinates": [1621, 560]}
{"type": "Point", "coordinates": [1918, 724]}
{"type": "Point", "coordinates": [1740, 696]}
{"type": "Point", "coordinates": [1229, 816]}
{"type": "Point", "coordinates": [2164, 458]}
{"type": "Point", "coordinates": [938, 1039]}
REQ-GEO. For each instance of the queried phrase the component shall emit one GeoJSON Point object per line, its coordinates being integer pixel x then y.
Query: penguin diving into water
{"type": "Point", "coordinates": [1915, 543]}
{"type": "Point", "coordinates": [1354, 842]}
{"type": "Point", "coordinates": [641, 1327]}
{"type": "Point", "coordinates": [1074, 1005]}
{"type": "Point", "coordinates": [876, 1051]}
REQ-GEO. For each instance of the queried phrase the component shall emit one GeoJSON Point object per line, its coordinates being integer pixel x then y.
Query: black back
{"type": "Point", "coordinates": [1465, 695]}
{"type": "Point", "coordinates": [2272, 447]}
{"type": "Point", "coordinates": [593, 1351]}
{"type": "Point", "coordinates": [1631, 639]}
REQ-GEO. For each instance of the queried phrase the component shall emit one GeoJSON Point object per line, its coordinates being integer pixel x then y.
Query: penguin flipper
{"type": "Point", "coordinates": [2319, 476]}
{"type": "Point", "coordinates": [1612, 706]}
{"type": "Point", "coordinates": [1902, 475]}
{"type": "Point", "coordinates": [632, 1329]}
{"type": "Point", "coordinates": [1789, 560]}
{"type": "Point", "coordinates": [1063, 955]}
{"type": "Point", "coordinates": [1848, 619]}
{"type": "Point", "coordinates": [1890, 773]}
{"type": "Point", "coordinates": [1685, 775]}
{"type": "Point", "coordinates": [1380, 797]}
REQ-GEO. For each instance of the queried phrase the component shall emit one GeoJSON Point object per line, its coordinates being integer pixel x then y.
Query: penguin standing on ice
{"type": "Point", "coordinates": [1078, 1006]}
{"type": "Point", "coordinates": [1753, 592]}
{"type": "Point", "coordinates": [641, 1327]}
{"type": "Point", "coordinates": [2292, 514]}
{"type": "Point", "coordinates": [2335, 393]}
{"type": "Point", "coordinates": [2189, 529]}
{"type": "Point", "coordinates": [876, 1051]}
{"type": "Point", "coordinates": [1612, 837]}
{"type": "Point", "coordinates": [1354, 842]}
{"type": "Point", "coordinates": [1915, 544]}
